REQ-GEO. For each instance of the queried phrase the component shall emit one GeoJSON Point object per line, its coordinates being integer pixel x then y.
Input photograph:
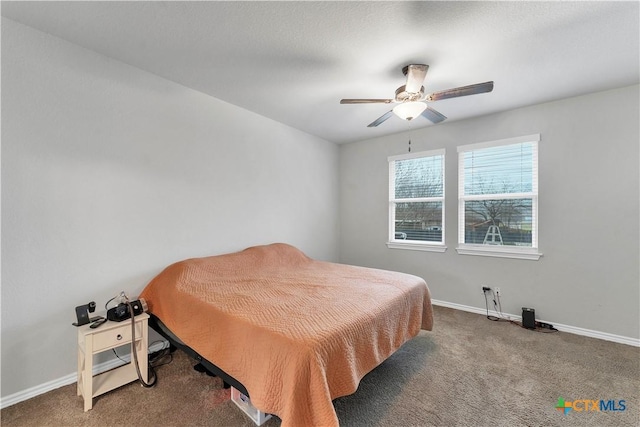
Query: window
{"type": "Point", "coordinates": [416, 201]}
{"type": "Point", "coordinates": [498, 198]}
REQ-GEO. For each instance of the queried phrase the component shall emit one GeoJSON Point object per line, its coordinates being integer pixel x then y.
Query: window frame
{"type": "Point", "coordinates": [518, 252]}
{"type": "Point", "coordinates": [417, 245]}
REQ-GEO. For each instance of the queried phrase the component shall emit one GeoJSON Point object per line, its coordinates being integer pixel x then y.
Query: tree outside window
{"type": "Point", "coordinates": [498, 193]}
{"type": "Point", "coordinates": [416, 197]}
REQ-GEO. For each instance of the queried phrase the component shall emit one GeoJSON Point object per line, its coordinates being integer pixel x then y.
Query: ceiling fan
{"type": "Point", "coordinates": [412, 101]}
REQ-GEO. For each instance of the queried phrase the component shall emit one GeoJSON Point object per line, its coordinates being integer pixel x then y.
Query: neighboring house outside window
{"type": "Point", "coordinates": [498, 198]}
{"type": "Point", "coordinates": [416, 201]}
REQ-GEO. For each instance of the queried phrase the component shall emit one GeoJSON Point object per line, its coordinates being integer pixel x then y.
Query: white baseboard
{"type": "Point", "coordinates": [71, 378]}
{"type": "Point", "coordinates": [559, 326]}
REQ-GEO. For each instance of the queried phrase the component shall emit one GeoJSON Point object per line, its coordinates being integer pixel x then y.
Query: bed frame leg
{"type": "Point", "coordinates": [200, 368]}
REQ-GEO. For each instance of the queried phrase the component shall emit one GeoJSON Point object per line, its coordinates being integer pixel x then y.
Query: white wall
{"type": "Point", "coordinates": [110, 173]}
{"type": "Point", "coordinates": [588, 199]}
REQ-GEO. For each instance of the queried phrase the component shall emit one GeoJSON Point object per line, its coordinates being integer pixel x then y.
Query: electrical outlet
{"type": "Point", "coordinates": [497, 291]}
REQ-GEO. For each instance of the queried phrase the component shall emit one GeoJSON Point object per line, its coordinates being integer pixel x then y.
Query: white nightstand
{"type": "Point", "coordinates": [106, 337]}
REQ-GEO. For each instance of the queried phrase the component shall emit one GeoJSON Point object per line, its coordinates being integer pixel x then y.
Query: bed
{"type": "Point", "coordinates": [293, 332]}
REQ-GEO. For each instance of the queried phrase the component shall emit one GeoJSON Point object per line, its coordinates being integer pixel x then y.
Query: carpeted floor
{"type": "Point", "coordinates": [468, 372]}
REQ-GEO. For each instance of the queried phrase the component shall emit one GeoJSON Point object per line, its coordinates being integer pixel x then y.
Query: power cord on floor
{"type": "Point", "coordinates": [161, 357]}
{"type": "Point", "coordinates": [542, 331]}
{"type": "Point", "coordinates": [498, 309]}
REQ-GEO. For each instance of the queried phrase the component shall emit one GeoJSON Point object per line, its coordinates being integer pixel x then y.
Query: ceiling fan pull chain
{"type": "Point", "coordinates": [409, 144]}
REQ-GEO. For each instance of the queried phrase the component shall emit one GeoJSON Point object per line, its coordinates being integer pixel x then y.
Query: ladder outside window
{"type": "Point", "coordinates": [493, 236]}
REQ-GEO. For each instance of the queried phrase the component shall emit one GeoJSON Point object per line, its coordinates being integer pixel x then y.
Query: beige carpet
{"type": "Point", "coordinates": [468, 372]}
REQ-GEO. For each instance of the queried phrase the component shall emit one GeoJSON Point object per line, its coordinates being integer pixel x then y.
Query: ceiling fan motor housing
{"type": "Point", "coordinates": [403, 96]}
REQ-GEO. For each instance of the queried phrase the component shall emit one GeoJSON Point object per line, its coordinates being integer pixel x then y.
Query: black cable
{"type": "Point", "coordinates": [495, 304]}
{"type": "Point", "coordinates": [135, 353]}
{"type": "Point", "coordinates": [499, 310]}
{"type": "Point", "coordinates": [543, 331]}
{"type": "Point", "coordinates": [157, 360]}
{"type": "Point", "coordinates": [114, 352]}
{"type": "Point", "coordinates": [107, 304]}
{"type": "Point", "coordinates": [154, 358]}
{"type": "Point", "coordinates": [486, 303]}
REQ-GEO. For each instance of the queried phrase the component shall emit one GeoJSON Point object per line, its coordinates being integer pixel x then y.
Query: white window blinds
{"type": "Point", "coordinates": [498, 193]}
{"type": "Point", "coordinates": [416, 198]}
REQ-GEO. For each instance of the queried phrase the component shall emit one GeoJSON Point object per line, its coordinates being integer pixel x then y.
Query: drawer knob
{"type": "Point", "coordinates": [119, 337]}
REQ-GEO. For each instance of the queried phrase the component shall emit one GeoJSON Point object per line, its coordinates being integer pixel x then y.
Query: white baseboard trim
{"type": "Point", "coordinates": [559, 326]}
{"type": "Point", "coordinates": [110, 364]}
{"type": "Point", "coordinates": [71, 378]}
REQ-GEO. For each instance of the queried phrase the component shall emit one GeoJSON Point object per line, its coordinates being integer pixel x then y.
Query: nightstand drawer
{"type": "Point", "coordinates": [115, 337]}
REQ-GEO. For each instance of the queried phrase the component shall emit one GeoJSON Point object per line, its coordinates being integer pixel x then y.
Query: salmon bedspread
{"type": "Point", "coordinates": [296, 332]}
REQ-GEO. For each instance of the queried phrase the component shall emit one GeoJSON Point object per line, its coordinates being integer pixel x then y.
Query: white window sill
{"type": "Point", "coordinates": [411, 246]}
{"type": "Point", "coordinates": [499, 251]}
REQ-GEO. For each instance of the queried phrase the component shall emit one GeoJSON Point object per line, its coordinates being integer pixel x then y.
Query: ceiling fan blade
{"type": "Point", "coordinates": [433, 116]}
{"type": "Point", "coordinates": [366, 101]}
{"type": "Point", "coordinates": [415, 76]}
{"type": "Point", "coordinates": [461, 91]}
{"type": "Point", "coordinates": [380, 119]}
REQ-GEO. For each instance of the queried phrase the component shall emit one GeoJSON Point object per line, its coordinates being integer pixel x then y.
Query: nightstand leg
{"type": "Point", "coordinates": [80, 360]}
{"type": "Point", "coordinates": [87, 376]}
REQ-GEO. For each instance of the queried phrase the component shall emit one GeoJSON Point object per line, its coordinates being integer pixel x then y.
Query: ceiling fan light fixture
{"type": "Point", "coordinates": [409, 110]}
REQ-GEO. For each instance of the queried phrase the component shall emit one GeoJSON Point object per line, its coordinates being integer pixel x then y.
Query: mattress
{"type": "Point", "coordinates": [296, 332]}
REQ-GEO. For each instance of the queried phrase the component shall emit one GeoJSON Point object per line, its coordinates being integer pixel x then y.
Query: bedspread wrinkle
{"type": "Point", "coordinates": [296, 332]}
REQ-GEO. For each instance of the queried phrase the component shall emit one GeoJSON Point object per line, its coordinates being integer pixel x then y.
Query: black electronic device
{"type": "Point", "coordinates": [97, 323]}
{"type": "Point", "coordinates": [121, 311]}
{"type": "Point", "coordinates": [82, 314]}
{"type": "Point", "coordinates": [528, 318]}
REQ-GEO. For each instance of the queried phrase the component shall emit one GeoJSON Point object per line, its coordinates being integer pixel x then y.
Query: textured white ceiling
{"type": "Point", "coordinates": [294, 61]}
